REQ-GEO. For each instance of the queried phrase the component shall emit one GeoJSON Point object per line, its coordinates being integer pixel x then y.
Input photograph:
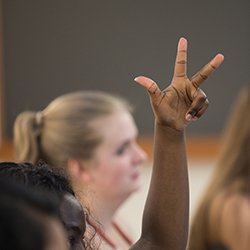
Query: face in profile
{"type": "Point", "coordinates": [74, 221]}
{"type": "Point", "coordinates": [116, 165]}
{"type": "Point", "coordinates": [57, 235]}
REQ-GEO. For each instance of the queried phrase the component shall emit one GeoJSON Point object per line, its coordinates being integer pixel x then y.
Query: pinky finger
{"type": "Point", "coordinates": [197, 111]}
{"type": "Point", "coordinates": [202, 110]}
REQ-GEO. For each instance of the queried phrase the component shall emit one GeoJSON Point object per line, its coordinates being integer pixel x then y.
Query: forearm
{"type": "Point", "coordinates": [165, 220]}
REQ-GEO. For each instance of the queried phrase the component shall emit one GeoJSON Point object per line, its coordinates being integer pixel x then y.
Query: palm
{"type": "Point", "coordinates": [174, 106]}
{"type": "Point", "coordinates": [183, 96]}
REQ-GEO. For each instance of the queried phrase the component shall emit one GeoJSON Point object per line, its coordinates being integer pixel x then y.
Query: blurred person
{"type": "Point", "coordinates": [93, 136]}
{"type": "Point", "coordinates": [41, 177]}
{"type": "Point", "coordinates": [222, 220]}
{"type": "Point", "coordinates": [28, 219]}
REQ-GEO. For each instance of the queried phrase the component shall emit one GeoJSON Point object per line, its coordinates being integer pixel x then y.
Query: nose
{"type": "Point", "coordinates": [140, 155]}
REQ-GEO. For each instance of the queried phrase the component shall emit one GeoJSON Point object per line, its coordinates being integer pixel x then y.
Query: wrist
{"type": "Point", "coordinates": [168, 133]}
{"type": "Point", "coordinates": [174, 128]}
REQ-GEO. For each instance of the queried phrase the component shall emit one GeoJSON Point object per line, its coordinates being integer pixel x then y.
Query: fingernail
{"type": "Point", "coordinates": [182, 40]}
{"type": "Point", "coordinates": [189, 117]}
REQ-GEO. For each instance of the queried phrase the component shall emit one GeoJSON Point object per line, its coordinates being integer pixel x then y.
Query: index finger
{"type": "Point", "coordinates": [180, 69]}
{"type": "Point", "coordinates": [148, 84]}
{"type": "Point", "coordinates": [202, 75]}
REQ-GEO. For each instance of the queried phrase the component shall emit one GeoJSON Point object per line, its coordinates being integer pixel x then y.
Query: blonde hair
{"type": "Point", "coordinates": [63, 130]}
{"type": "Point", "coordinates": [233, 164]}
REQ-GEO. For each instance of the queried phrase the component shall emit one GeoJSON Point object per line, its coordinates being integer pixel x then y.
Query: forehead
{"type": "Point", "coordinates": [119, 125]}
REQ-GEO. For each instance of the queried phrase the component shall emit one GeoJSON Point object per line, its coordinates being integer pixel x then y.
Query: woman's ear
{"type": "Point", "coordinates": [79, 171]}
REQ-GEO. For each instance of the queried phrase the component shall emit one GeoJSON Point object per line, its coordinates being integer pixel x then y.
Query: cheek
{"type": "Point", "coordinates": [118, 171]}
{"type": "Point", "coordinates": [122, 173]}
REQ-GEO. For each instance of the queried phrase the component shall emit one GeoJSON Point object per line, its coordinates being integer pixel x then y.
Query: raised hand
{"type": "Point", "coordinates": [182, 101]}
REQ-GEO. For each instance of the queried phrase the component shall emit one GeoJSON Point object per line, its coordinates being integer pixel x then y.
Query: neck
{"type": "Point", "coordinates": [102, 209]}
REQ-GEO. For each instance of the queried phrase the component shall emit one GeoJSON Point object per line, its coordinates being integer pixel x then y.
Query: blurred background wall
{"type": "Point", "coordinates": [56, 46]}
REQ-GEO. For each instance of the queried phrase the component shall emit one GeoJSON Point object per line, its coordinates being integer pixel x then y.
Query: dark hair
{"type": "Point", "coordinates": [40, 176]}
{"type": "Point", "coordinates": [23, 217]}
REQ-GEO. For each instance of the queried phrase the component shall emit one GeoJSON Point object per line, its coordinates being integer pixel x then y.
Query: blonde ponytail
{"type": "Point", "coordinates": [27, 133]}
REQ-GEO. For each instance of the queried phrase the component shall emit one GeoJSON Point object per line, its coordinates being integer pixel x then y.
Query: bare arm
{"type": "Point", "coordinates": [165, 219]}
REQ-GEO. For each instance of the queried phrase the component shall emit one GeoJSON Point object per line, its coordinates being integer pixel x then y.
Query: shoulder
{"type": "Point", "coordinates": [230, 219]}
{"type": "Point", "coordinates": [229, 206]}
{"type": "Point", "coordinates": [236, 214]}
{"type": "Point", "coordinates": [226, 203]}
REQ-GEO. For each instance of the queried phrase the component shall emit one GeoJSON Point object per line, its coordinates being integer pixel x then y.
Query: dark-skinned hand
{"type": "Point", "coordinates": [182, 101]}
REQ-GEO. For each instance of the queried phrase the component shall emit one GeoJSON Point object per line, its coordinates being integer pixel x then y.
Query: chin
{"type": "Point", "coordinates": [135, 188]}
{"type": "Point", "coordinates": [132, 187]}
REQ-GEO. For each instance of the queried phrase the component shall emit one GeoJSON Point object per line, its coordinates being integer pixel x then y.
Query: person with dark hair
{"type": "Point", "coordinates": [93, 136]}
{"type": "Point", "coordinates": [29, 220]}
{"type": "Point", "coordinates": [42, 177]}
